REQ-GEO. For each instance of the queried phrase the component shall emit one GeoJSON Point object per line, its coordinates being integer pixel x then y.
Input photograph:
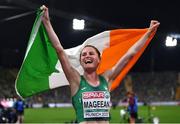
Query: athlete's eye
{"type": "Point", "coordinates": [91, 53]}
{"type": "Point", "coordinates": [84, 54]}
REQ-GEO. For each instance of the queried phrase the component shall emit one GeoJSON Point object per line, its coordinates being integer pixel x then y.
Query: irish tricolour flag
{"type": "Point", "coordinates": [41, 69]}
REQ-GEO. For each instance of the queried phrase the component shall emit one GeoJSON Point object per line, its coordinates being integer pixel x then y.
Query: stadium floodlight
{"type": "Point", "coordinates": [171, 41]}
{"type": "Point", "coordinates": [78, 24]}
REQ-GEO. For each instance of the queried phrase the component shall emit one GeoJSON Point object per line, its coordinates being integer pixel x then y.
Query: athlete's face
{"type": "Point", "coordinates": [89, 58]}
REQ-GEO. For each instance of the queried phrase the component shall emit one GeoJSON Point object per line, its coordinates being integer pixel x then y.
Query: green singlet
{"type": "Point", "coordinates": [92, 103]}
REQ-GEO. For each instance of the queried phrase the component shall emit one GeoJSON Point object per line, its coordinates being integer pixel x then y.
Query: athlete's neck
{"type": "Point", "coordinates": [92, 78]}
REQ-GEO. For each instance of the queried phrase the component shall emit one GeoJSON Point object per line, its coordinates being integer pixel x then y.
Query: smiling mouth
{"type": "Point", "coordinates": [88, 62]}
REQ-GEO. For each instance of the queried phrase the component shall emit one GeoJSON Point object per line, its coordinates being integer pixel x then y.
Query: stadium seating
{"type": "Point", "coordinates": [157, 86]}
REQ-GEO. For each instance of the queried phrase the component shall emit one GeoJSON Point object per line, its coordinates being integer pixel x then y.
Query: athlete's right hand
{"type": "Point", "coordinates": [45, 17]}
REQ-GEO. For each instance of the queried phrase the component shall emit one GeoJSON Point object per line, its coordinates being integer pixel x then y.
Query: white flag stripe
{"type": "Point", "coordinates": [100, 41]}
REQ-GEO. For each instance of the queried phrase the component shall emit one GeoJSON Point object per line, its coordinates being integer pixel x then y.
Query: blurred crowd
{"type": "Point", "coordinates": [148, 86]}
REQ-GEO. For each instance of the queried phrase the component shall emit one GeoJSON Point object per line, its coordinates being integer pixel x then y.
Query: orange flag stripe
{"type": "Point", "coordinates": [120, 42]}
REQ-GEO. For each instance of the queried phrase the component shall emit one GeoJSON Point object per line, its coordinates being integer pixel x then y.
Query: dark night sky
{"type": "Point", "coordinates": [100, 15]}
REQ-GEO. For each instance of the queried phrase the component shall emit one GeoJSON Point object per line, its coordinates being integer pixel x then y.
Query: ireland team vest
{"type": "Point", "coordinates": [92, 103]}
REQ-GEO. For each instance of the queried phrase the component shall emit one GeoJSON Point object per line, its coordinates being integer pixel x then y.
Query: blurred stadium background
{"type": "Point", "coordinates": [155, 77]}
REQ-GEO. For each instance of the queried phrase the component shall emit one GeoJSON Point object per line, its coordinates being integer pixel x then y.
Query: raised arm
{"type": "Point", "coordinates": [112, 74]}
{"type": "Point", "coordinates": [71, 74]}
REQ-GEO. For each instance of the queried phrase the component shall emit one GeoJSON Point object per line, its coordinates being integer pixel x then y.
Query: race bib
{"type": "Point", "coordinates": [96, 104]}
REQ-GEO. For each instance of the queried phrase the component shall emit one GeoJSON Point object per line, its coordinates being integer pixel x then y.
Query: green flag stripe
{"type": "Point", "coordinates": [39, 63]}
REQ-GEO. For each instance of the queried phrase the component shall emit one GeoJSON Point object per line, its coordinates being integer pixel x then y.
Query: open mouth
{"type": "Point", "coordinates": [88, 61]}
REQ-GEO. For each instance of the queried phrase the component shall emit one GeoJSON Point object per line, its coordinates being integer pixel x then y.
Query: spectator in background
{"type": "Point", "coordinates": [132, 107]}
{"type": "Point", "coordinates": [19, 106]}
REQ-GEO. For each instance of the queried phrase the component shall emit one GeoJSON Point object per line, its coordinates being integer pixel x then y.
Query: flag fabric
{"type": "Point", "coordinates": [42, 71]}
